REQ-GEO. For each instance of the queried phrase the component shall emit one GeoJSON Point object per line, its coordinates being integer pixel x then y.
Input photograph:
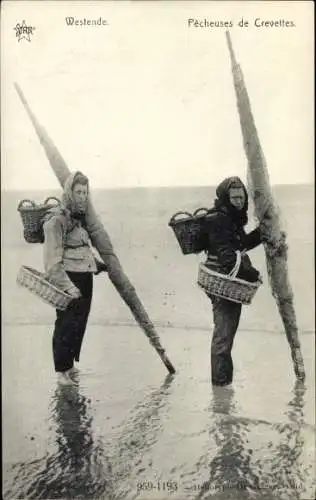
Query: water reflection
{"type": "Point", "coordinates": [136, 436]}
{"type": "Point", "coordinates": [76, 465]}
{"type": "Point", "coordinates": [230, 473]}
{"type": "Point", "coordinates": [235, 473]}
{"type": "Point", "coordinates": [79, 467]}
{"type": "Point", "coordinates": [246, 458]}
{"type": "Point", "coordinates": [291, 477]}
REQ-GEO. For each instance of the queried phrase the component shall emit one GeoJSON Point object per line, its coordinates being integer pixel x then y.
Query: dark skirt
{"type": "Point", "coordinates": [70, 325]}
{"type": "Point", "coordinates": [226, 316]}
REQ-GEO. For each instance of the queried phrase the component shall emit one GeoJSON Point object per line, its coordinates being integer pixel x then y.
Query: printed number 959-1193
{"type": "Point", "coordinates": [170, 486]}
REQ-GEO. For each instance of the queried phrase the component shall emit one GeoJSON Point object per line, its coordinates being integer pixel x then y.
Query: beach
{"type": "Point", "coordinates": [129, 430]}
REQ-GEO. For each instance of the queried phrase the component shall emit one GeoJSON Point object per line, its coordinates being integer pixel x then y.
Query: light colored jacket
{"type": "Point", "coordinates": [66, 249]}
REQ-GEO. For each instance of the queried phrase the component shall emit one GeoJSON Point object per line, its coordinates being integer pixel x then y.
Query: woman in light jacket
{"type": "Point", "coordinates": [70, 263]}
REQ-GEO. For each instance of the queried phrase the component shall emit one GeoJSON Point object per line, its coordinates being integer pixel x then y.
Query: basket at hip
{"type": "Point", "coordinates": [227, 286]}
{"type": "Point", "coordinates": [36, 283]}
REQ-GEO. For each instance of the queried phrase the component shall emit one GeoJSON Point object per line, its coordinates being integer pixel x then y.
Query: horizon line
{"type": "Point", "coordinates": [112, 188]}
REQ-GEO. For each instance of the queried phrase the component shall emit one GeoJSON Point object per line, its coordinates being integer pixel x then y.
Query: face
{"type": "Point", "coordinates": [237, 198]}
{"type": "Point", "coordinates": [80, 195]}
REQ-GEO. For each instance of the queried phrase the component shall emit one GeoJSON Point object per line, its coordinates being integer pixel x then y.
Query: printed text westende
{"type": "Point", "coordinates": [72, 21]}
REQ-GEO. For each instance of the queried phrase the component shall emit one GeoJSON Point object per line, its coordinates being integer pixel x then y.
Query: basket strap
{"type": "Point", "coordinates": [233, 273]}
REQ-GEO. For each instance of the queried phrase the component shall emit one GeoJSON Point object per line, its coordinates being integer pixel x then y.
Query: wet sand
{"type": "Point", "coordinates": [128, 429]}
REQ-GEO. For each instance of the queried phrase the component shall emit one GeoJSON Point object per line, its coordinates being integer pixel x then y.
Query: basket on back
{"type": "Point", "coordinates": [227, 286]}
{"type": "Point", "coordinates": [188, 229]}
{"type": "Point", "coordinates": [32, 217]}
{"type": "Point", "coordinates": [36, 283]}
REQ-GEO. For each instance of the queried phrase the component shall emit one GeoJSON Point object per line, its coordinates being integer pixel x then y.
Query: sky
{"type": "Point", "coordinates": [147, 100]}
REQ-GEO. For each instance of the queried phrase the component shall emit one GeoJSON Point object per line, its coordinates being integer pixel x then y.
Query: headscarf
{"type": "Point", "coordinates": [222, 202]}
{"type": "Point", "coordinates": [68, 206]}
{"type": "Point", "coordinates": [68, 203]}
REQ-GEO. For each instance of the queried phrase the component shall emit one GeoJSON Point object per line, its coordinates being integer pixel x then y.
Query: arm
{"type": "Point", "coordinates": [252, 239]}
{"type": "Point", "coordinates": [53, 256]}
{"type": "Point", "coordinates": [101, 266]}
{"type": "Point", "coordinates": [222, 242]}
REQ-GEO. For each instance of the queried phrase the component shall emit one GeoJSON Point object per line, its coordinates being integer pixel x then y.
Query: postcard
{"type": "Point", "coordinates": [158, 293]}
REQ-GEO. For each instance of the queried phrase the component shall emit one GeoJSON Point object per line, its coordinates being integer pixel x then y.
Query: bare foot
{"type": "Point", "coordinates": [73, 370]}
{"type": "Point", "coordinates": [63, 378]}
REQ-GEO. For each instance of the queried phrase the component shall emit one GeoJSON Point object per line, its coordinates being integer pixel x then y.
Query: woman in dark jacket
{"type": "Point", "coordinates": [225, 236]}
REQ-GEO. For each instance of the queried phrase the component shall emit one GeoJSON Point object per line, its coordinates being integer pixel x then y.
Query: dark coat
{"type": "Point", "coordinates": [222, 238]}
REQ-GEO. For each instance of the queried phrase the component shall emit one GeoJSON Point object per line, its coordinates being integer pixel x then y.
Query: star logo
{"type": "Point", "coordinates": [23, 31]}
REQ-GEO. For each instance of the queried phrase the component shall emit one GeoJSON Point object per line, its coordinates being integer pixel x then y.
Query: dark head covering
{"type": "Point", "coordinates": [222, 201]}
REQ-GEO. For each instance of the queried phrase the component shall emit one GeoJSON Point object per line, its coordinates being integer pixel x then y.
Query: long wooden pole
{"type": "Point", "coordinates": [267, 212]}
{"type": "Point", "coordinates": [100, 240]}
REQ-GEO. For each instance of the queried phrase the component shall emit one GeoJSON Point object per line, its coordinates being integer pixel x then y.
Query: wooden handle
{"type": "Point", "coordinates": [166, 361]}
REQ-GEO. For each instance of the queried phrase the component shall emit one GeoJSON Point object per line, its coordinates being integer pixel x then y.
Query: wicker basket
{"type": "Point", "coordinates": [35, 282]}
{"type": "Point", "coordinates": [227, 286]}
{"type": "Point", "coordinates": [32, 218]}
{"type": "Point", "coordinates": [189, 230]}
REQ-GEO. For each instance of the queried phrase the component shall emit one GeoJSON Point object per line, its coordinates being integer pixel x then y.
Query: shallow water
{"type": "Point", "coordinates": [129, 430]}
